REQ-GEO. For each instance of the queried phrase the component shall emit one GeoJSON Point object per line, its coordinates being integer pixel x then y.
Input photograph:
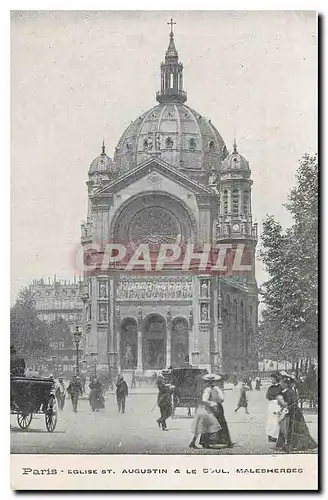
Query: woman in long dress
{"type": "Point", "coordinates": [293, 431]}
{"type": "Point", "coordinates": [206, 426]}
{"type": "Point", "coordinates": [243, 402]}
{"type": "Point", "coordinates": [272, 424]}
{"type": "Point", "coordinates": [212, 399]}
{"type": "Point", "coordinates": [96, 398]}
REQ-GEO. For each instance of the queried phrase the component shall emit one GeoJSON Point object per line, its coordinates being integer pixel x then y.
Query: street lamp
{"type": "Point", "coordinates": [94, 356]}
{"type": "Point", "coordinates": [53, 359]}
{"type": "Point", "coordinates": [77, 339]}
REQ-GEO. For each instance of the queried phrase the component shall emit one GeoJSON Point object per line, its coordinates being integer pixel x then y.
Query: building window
{"type": "Point", "coordinates": [225, 202]}
{"type": "Point", "coordinates": [235, 202]}
{"type": "Point", "coordinates": [169, 143]}
{"type": "Point", "coordinates": [211, 146]}
{"type": "Point", "coordinates": [192, 143]}
{"type": "Point", "coordinates": [246, 202]}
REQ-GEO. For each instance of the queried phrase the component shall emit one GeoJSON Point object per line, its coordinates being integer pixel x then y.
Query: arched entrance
{"type": "Point", "coordinates": [154, 337]}
{"type": "Point", "coordinates": [128, 344]}
{"type": "Point", "coordinates": [180, 342]}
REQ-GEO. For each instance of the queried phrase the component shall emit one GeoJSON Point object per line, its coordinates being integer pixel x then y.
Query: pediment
{"type": "Point", "coordinates": [152, 171]}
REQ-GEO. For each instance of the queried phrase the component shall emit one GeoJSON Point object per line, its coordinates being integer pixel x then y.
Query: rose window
{"type": "Point", "coordinates": [154, 225]}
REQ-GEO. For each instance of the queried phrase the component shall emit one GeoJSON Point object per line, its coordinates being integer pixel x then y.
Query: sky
{"type": "Point", "coordinates": [78, 77]}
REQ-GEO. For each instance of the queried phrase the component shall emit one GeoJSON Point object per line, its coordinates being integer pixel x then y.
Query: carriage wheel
{"type": "Point", "coordinates": [51, 416]}
{"type": "Point", "coordinates": [24, 420]}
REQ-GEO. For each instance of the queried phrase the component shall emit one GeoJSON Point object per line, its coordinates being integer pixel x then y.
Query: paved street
{"type": "Point", "coordinates": [137, 432]}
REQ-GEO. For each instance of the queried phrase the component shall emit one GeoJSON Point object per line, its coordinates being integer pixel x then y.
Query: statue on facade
{"type": "Point", "coordinates": [128, 356]}
{"type": "Point", "coordinates": [204, 289]}
{"type": "Point", "coordinates": [103, 290]}
{"type": "Point", "coordinates": [204, 312]}
{"type": "Point", "coordinates": [102, 314]}
{"type": "Point", "coordinates": [213, 178]}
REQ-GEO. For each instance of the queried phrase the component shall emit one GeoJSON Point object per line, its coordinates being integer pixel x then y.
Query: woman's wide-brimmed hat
{"type": "Point", "coordinates": [286, 376]}
{"type": "Point", "coordinates": [166, 371]}
{"type": "Point", "coordinates": [210, 377]}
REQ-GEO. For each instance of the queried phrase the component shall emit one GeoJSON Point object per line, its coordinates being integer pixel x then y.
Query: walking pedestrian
{"type": "Point", "coordinates": [212, 399]}
{"type": "Point", "coordinates": [74, 389]}
{"type": "Point", "coordinates": [294, 434]}
{"type": "Point", "coordinates": [133, 380]}
{"type": "Point", "coordinates": [60, 393]}
{"type": "Point", "coordinates": [272, 425]}
{"type": "Point", "coordinates": [164, 399]}
{"type": "Point", "coordinates": [96, 398]}
{"type": "Point", "coordinates": [243, 403]}
{"type": "Point", "coordinates": [122, 392]}
{"type": "Point", "coordinates": [258, 384]}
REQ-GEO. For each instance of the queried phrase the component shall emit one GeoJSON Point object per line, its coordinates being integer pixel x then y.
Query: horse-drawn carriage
{"type": "Point", "coordinates": [188, 387]}
{"type": "Point", "coordinates": [30, 396]}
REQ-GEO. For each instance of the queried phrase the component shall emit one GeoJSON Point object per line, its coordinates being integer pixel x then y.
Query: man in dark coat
{"type": "Point", "coordinates": [17, 363]}
{"type": "Point", "coordinates": [74, 389]}
{"type": "Point", "coordinates": [122, 392]}
{"type": "Point", "coordinates": [164, 399]}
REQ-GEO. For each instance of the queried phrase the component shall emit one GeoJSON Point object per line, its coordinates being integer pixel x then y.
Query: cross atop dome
{"type": "Point", "coordinates": [171, 23]}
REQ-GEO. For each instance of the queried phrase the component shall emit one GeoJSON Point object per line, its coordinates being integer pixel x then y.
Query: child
{"type": "Point", "coordinates": [242, 403]}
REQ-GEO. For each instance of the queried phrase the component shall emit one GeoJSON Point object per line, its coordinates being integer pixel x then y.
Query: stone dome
{"type": "Point", "coordinates": [176, 134]}
{"type": "Point", "coordinates": [235, 161]}
{"type": "Point", "coordinates": [102, 163]}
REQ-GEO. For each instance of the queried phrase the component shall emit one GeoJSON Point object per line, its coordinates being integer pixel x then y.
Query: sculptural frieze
{"type": "Point", "coordinates": [154, 290]}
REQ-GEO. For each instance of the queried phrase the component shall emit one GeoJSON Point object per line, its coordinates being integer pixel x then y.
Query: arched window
{"type": "Point", "coordinates": [235, 202]}
{"type": "Point", "coordinates": [246, 202]}
{"type": "Point", "coordinates": [225, 202]}
{"type": "Point", "coordinates": [171, 81]}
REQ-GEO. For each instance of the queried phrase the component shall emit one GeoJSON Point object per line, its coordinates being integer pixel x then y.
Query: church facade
{"type": "Point", "coordinates": [171, 180]}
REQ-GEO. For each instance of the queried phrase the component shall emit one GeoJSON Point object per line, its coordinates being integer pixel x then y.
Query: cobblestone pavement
{"type": "Point", "coordinates": [136, 431]}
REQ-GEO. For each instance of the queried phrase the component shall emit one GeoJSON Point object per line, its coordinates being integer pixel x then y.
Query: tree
{"type": "Point", "coordinates": [59, 334]}
{"type": "Point", "coordinates": [290, 258]}
{"type": "Point", "coordinates": [28, 333]}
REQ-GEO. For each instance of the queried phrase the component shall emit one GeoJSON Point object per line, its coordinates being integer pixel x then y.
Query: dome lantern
{"type": "Point", "coordinates": [171, 75]}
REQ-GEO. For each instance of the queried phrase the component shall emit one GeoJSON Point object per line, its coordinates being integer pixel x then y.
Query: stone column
{"type": "Point", "coordinates": [190, 332]}
{"type": "Point", "coordinates": [219, 329]}
{"type": "Point", "coordinates": [118, 336]}
{"type": "Point", "coordinates": [110, 332]}
{"type": "Point", "coordinates": [229, 201]}
{"type": "Point", "coordinates": [193, 313]}
{"type": "Point", "coordinates": [139, 337]}
{"type": "Point", "coordinates": [168, 335]}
